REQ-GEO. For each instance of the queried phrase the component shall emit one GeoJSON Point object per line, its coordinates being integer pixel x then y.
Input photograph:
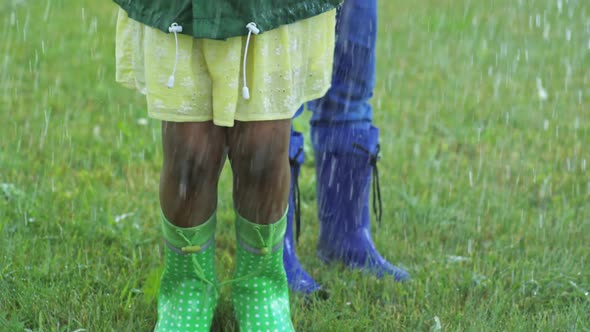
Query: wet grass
{"type": "Point", "coordinates": [485, 180]}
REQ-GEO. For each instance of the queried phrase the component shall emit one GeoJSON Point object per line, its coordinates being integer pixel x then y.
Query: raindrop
{"type": "Point", "coordinates": [47, 8]}
{"type": "Point", "coordinates": [543, 95]}
{"type": "Point", "coordinates": [546, 31]}
{"type": "Point", "coordinates": [459, 259]}
{"type": "Point", "coordinates": [96, 132]}
{"type": "Point", "coordinates": [503, 50]}
{"type": "Point", "coordinates": [416, 149]}
{"type": "Point", "coordinates": [123, 216]}
{"type": "Point", "coordinates": [559, 6]}
{"type": "Point", "coordinates": [546, 125]}
{"type": "Point", "coordinates": [497, 83]}
{"type": "Point", "coordinates": [568, 35]}
{"type": "Point", "coordinates": [26, 28]}
{"type": "Point", "coordinates": [568, 74]}
{"type": "Point", "coordinates": [93, 26]}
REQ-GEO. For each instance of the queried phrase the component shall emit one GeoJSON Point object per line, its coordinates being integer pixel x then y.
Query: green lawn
{"type": "Point", "coordinates": [485, 180]}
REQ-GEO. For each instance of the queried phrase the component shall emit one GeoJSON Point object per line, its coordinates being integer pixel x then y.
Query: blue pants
{"type": "Point", "coordinates": [353, 78]}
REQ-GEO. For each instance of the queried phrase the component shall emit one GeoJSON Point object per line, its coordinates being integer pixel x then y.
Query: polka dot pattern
{"type": "Point", "coordinates": [261, 302]}
{"type": "Point", "coordinates": [186, 302]}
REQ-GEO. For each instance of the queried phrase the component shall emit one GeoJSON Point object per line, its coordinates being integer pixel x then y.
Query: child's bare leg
{"type": "Point", "coordinates": [193, 158]}
{"type": "Point", "coordinates": [259, 154]}
{"type": "Point", "coordinates": [260, 161]}
{"type": "Point", "coordinates": [194, 153]}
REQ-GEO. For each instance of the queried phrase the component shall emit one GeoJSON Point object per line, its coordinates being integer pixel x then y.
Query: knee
{"type": "Point", "coordinates": [192, 168]}
{"type": "Point", "coordinates": [259, 163]}
{"type": "Point", "coordinates": [259, 153]}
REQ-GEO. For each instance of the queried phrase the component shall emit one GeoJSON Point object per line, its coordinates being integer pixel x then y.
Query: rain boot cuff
{"type": "Point", "coordinates": [261, 236]}
{"type": "Point", "coordinates": [180, 237]}
{"type": "Point", "coordinates": [350, 125]}
{"type": "Point", "coordinates": [342, 140]}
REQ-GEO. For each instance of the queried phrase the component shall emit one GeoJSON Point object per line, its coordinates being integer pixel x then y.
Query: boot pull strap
{"type": "Point", "coordinates": [376, 186]}
{"type": "Point", "coordinates": [265, 252]}
{"type": "Point", "coordinates": [377, 202]}
{"type": "Point", "coordinates": [191, 249]}
{"type": "Point", "coordinates": [296, 197]}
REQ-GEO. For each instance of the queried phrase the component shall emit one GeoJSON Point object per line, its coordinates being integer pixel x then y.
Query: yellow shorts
{"type": "Point", "coordinates": [285, 68]}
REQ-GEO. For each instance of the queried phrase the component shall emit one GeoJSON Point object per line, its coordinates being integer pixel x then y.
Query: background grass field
{"type": "Point", "coordinates": [484, 108]}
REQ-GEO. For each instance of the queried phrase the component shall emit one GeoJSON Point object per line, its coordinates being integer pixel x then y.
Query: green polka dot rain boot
{"type": "Point", "coordinates": [260, 292]}
{"type": "Point", "coordinates": [188, 289]}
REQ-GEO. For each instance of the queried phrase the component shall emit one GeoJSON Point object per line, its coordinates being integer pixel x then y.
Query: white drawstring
{"type": "Point", "coordinates": [174, 28]}
{"type": "Point", "coordinates": [252, 29]}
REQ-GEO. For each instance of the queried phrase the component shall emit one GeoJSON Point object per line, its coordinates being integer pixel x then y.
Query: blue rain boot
{"type": "Point", "coordinates": [346, 158]}
{"type": "Point", "coordinates": [299, 280]}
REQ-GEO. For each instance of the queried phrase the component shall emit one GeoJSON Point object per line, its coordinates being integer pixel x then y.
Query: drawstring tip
{"type": "Point", "coordinates": [170, 84]}
{"type": "Point", "coordinates": [252, 28]}
{"type": "Point", "coordinates": [246, 93]}
{"type": "Point", "coordinates": [175, 28]}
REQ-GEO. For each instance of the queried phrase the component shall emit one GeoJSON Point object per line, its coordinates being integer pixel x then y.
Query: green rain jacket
{"type": "Point", "coordinates": [221, 19]}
